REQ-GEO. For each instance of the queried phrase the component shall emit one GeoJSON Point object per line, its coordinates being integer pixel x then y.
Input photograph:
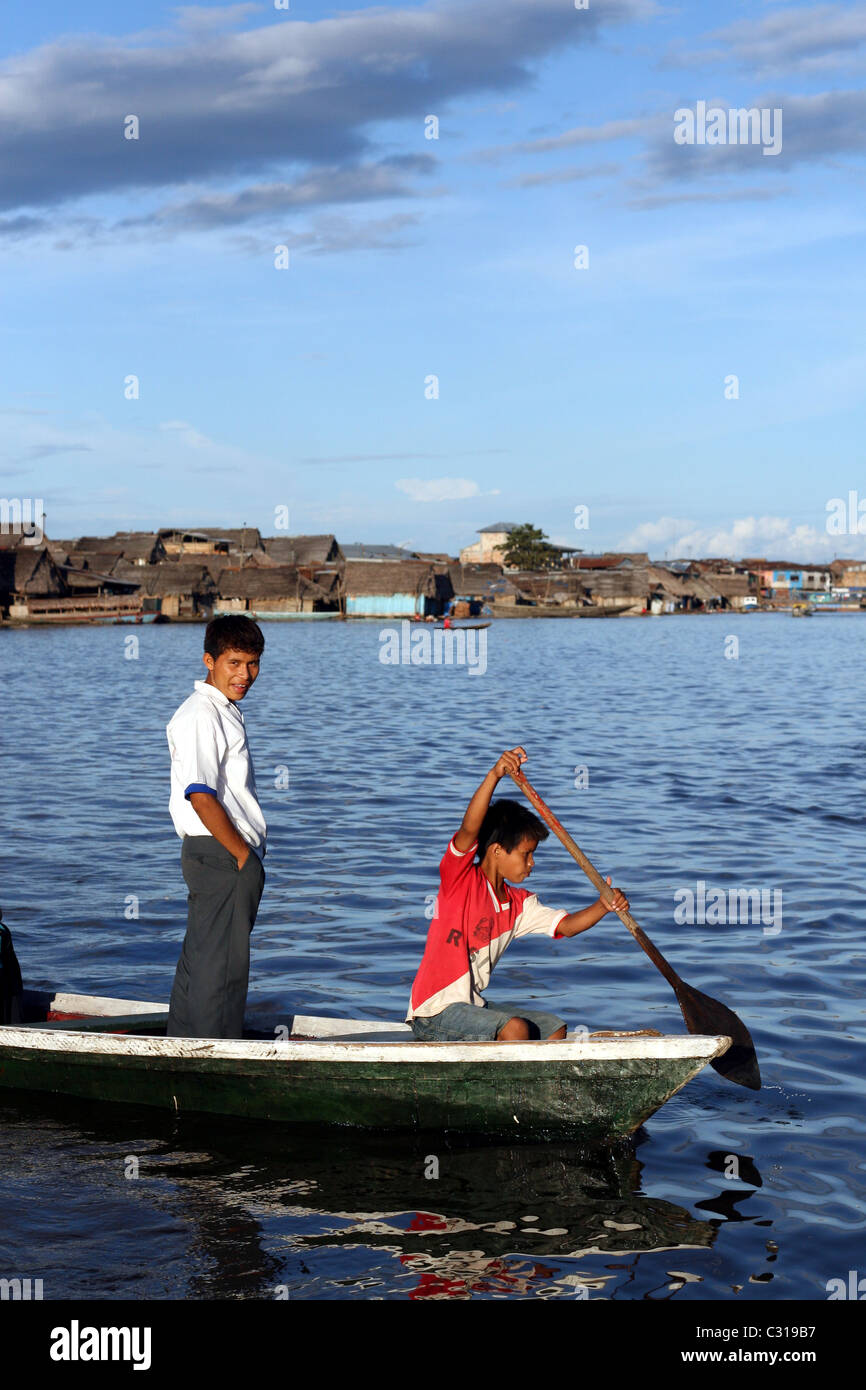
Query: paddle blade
{"type": "Point", "coordinates": [705, 1015]}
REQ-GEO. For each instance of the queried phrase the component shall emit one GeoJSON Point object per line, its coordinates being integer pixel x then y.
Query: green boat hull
{"type": "Point", "coordinates": [591, 1101]}
{"type": "Point", "coordinates": [354, 1073]}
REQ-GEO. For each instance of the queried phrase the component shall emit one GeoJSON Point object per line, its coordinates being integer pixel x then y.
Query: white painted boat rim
{"type": "Point", "coordinates": [688, 1046]}
{"type": "Point", "coordinates": [331, 1040]}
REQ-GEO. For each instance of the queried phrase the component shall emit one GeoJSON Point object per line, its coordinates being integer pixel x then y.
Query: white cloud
{"type": "Point", "coordinates": [201, 19]}
{"type": "Point", "coordinates": [773, 536]}
{"type": "Point", "coordinates": [139, 461]}
{"type": "Point", "coordinates": [570, 139]}
{"type": "Point", "coordinates": [187, 433]}
{"type": "Point", "coordinates": [441, 489]}
{"type": "Point", "coordinates": [811, 39]}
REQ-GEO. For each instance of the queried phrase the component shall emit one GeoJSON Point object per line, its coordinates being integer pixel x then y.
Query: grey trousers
{"type": "Point", "coordinates": [210, 984]}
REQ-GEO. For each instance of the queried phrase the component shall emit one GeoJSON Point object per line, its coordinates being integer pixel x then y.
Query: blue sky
{"type": "Point", "coordinates": [453, 257]}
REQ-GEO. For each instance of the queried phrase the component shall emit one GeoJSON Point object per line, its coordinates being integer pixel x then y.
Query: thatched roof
{"type": "Point", "coordinates": [303, 550]}
{"type": "Point", "coordinates": [169, 578]}
{"type": "Point", "coordinates": [29, 569]}
{"type": "Point", "coordinates": [477, 581]}
{"type": "Point", "coordinates": [85, 581]}
{"type": "Point", "coordinates": [364, 580]}
{"type": "Point", "coordinates": [730, 585]}
{"type": "Point", "coordinates": [239, 537]}
{"type": "Point", "coordinates": [188, 567]}
{"type": "Point", "coordinates": [27, 562]}
{"type": "Point", "coordinates": [137, 545]}
{"type": "Point", "coordinates": [267, 582]}
{"type": "Point", "coordinates": [101, 561]}
{"type": "Point", "coordinates": [610, 560]}
{"type": "Point", "coordinates": [629, 582]}
{"type": "Point", "coordinates": [706, 589]}
{"type": "Point", "coordinates": [548, 587]}
{"type": "Point", "coordinates": [249, 557]}
{"type": "Point", "coordinates": [196, 562]}
{"type": "Point", "coordinates": [377, 554]}
{"type": "Point", "coordinates": [672, 585]}
{"type": "Point", "coordinates": [61, 550]}
{"type": "Point", "coordinates": [95, 543]}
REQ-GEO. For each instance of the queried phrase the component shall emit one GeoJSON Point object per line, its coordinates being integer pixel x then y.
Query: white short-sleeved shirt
{"type": "Point", "coordinates": [209, 753]}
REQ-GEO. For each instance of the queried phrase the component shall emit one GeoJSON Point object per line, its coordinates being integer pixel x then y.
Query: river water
{"type": "Point", "coordinates": [723, 750]}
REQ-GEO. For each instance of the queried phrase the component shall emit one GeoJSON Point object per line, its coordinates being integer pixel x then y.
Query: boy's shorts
{"type": "Point", "coordinates": [481, 1022]}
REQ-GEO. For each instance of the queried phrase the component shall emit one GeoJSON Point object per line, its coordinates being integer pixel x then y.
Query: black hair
{"type": "Point", "coordinates": [233, 633]}
{"type": "Point", "coordinates": [507, 823]}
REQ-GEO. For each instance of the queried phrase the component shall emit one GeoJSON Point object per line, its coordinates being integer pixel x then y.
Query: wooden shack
{"type": "Point", "coordinates": [210, 540]}
{"type": "Point", "coordinates": [305, 551]}
{"type": "Point", "coordinates": [183, 590]}
{"type": "Point", "coordinates": [617, 585]}
{"type": "Point", "coordinates": [177, 541]}
{"type": "Point", "coordinates": [26, 571]}
{"type": "Point", "coordinates": [138, 547]}
{"type": "Point", "coordinates": [549, 588]}
{"type": "Point", "coordinates": [394, 589]}
{"type": "Point", "coordinates": [480, 584]}
{"type": "Point", "coordinates": [271, 589]}
{"type": "Point", "coordinates": [96, 561]}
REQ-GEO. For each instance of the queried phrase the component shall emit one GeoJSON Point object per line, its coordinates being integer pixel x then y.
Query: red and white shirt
{"type": "Point", "coordinates": [471, 928]}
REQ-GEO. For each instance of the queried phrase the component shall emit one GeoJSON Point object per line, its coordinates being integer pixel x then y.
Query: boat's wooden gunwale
{"type": "Point", "coordinates": [674, 1047]}
{"type": "Point", "coordinates": [99, 1007]}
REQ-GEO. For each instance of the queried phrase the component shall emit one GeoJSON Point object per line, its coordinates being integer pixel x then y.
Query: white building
{"type": "Point", "coordinates": [493, 539]}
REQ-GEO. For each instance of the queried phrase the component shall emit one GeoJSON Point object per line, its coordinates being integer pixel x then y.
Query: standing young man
{"type": "Point", "coordinates": [217, 815]}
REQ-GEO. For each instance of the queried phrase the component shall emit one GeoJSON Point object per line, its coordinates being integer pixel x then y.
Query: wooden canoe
{"type": "Point", "coordinates": [350, 1072]}
{"type": "Point", "coordinates": [457, 626]}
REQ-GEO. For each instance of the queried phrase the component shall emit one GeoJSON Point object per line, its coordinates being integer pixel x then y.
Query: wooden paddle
{"type": "Point", "coordinates": [701, 1013]}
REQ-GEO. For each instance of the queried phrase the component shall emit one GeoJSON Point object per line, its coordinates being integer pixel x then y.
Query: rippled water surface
{"type": "Point", "coordinates": [741, 771]}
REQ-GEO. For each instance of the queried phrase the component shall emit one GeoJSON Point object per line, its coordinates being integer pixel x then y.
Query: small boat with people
{"type": "Point", "coordinates": [359, 1073]}
{"type": "Point", "coordinates": [513, 1069]}
{"type": "Point", "coordinates": [452, 626]}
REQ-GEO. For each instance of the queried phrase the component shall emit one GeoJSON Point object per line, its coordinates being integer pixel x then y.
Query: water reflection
{"type": "Point", "coordinates": [260, 1212]}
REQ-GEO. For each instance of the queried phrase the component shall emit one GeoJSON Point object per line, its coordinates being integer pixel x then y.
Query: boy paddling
{"type": "Point", "coordinates": [478, 914]}
{"type": "Point", "coordinates": [217, 815]}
